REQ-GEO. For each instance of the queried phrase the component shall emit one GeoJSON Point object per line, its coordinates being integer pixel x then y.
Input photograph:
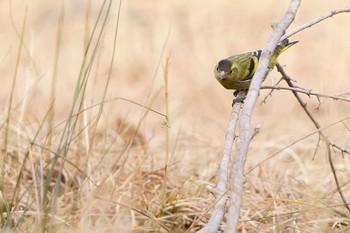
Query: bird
{"type": "Point", "coordinates": [236, 72]}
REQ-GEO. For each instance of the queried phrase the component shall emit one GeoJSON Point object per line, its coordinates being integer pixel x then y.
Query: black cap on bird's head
{"type": "Point", "coordinates": [224, 68]}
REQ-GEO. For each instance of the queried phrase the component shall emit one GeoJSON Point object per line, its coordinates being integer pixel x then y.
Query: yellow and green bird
{"type": "Point", "coordinates": [236, 72]}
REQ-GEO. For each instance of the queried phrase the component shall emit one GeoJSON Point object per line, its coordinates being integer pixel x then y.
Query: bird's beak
{"type": "Point", "coordinates": [222, 75]}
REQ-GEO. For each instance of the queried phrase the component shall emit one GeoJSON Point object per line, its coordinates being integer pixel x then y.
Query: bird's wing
{"type": "Point", "coordinates": [248, 63]}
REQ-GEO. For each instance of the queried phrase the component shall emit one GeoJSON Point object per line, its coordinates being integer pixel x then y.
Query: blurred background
{"type": "Point", "coordinates": [192, 36]}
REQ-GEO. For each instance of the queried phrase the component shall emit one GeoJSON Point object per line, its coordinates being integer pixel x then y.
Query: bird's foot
{"type": "Point", "coordinates": [239, 96]}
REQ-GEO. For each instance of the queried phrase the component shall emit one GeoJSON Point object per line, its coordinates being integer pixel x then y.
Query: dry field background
{"type": "Point", "coordinates": [109, 171]}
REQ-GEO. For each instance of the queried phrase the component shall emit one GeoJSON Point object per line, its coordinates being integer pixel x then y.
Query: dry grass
{"type": "Point", "coordinates": [65, 168]}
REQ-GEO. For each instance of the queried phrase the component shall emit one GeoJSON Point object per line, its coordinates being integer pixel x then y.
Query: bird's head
{"type": "Point", "coordinates": [223, 69]}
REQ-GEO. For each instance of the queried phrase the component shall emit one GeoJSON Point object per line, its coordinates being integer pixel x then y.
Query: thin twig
{"type": "Point", "coordinates": [328, 143]}
{"type": "Point", "coordinates": [301, 102]}
{"type": "Point", "coordinates": [341, 149]}
{"type": "Point", "coordinates": [306, 92]}
{"type": "Point", "coordinates": [270, 93]}
{"type": "Point", "coordinates": [315, 21]}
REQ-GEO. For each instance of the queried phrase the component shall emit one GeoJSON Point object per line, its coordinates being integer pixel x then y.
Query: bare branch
{"type": "Point", "coordinates": [237, 170]}
{"type": "Point", "coordinates": [301, 102]}
{"type": "Point", "coordinates": [328, 143]}
{"type": "Point", "coordinates": [220, 191]}
{"type": "Point", "coordinates": [315, 21]}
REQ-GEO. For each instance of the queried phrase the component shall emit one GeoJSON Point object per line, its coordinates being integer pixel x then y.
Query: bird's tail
{"type": "Point", "coordinates": [281, 47]}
